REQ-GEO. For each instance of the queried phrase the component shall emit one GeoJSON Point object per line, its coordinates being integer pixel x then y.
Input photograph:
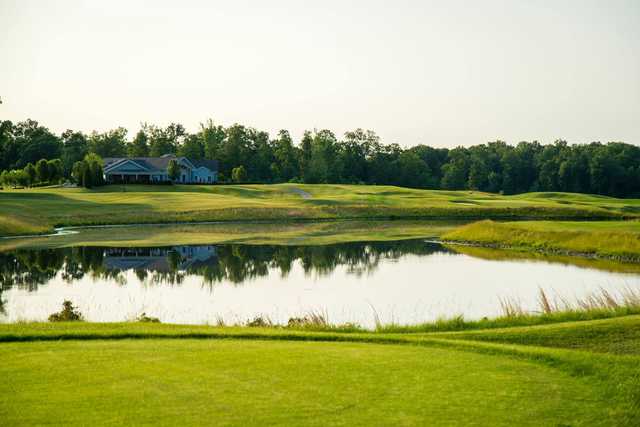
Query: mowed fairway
{"type": "Point", "coordinates": [39, 210]}
{"type": "Point", "coordinates": [97, 374]}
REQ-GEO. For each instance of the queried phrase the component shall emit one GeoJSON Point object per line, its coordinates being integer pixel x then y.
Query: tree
{"type": "Point", "coordinates": [30, 171]}
{"type": "Point", "coordinates": [56, 170]}
{"type": "Point", "coordinates": [285, 163]}
{"type": "Point", "coordinates": [14, 178]}
{"type": "Point", "coordinates": [192, 147]}
{"type": "Point", "coordinates": [42, 170]}
{"type": "Point", "coordinates": [139, 147]}
{"type": "Point", "coordinates": [305, 156]}
{"type": "Point", "coordinates": [7, 142]}
{"type": "Point", "coordinates": [78, 172]}
{"type": "Point", "coordinates": [32, 142]}
{"type": "Point", "coordinates": [412, 171]}
{"type": "Point", "coordinates": [165, 140]}
{"type": "Point", "coordinates": [212, 136]}
{"type": "Point", "coordinates": [239, 174]}
{"type": "Point", "coordinates": [74, 147]}
{"type": "Point", "coordinates": [88, 172]}
{"type": "Point", "coordinates": [109, 144]}
{"type": "Point", "coordinates": [173, 170]}
{"type": "Point", "coordinates": [456, 170]}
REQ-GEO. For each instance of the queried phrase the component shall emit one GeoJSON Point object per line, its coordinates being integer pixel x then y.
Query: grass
{"type": "Point", "coordinates": [36, 210]}
{"type": "Point", "coordinates": [608, 239]}
{"type": "Point", "coordinates": [597, 305]}
{"type": "Point", "coordinates": [576, 373]}
{"type": "Point", "coordinates": [278, 233]}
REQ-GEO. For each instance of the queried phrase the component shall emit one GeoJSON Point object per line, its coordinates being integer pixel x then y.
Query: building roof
{"type": "Point", "coordinates": [157, 164]}
{"type": "Point", "coordinates": [212, 165]}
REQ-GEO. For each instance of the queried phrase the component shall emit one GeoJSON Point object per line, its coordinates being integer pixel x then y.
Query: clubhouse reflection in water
{"type": "Point", "coordinates": [29, 269]}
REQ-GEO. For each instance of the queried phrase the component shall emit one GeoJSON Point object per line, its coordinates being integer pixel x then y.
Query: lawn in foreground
{"type": "Point", "coordinates": [241, 382]}
{"type": "Point", "coordinates": [37, 210]}
{"type": "Point", "coordinates": [572, 373]}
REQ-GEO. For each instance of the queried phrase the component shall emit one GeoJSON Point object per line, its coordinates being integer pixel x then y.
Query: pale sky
{"type": "Point", "coordinates": [443, 73]}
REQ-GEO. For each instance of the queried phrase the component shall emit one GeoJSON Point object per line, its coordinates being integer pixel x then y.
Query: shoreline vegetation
{"type": "Point", "coordinates": [551, 310]}
{"type": "Point", "coordinates": [40, 210]}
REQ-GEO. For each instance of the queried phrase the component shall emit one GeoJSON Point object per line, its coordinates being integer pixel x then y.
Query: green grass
{"type": "Point", "coordinates": [618, 336]}
{"type": "Point", "coordinates": [609, 239]}
{"type": "Point", "coordinates": [33, 211]}
{"type": "Point", "coordinates": [274, 233]}
{"type": "Point", "coordinates": [576, 373]}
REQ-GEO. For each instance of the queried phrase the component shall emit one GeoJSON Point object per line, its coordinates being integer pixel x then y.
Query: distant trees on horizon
{"type": "Point", "coordinates": [321, 157]}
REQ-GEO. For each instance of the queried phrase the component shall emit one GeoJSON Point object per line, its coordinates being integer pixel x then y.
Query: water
{"type": "Point", "coordinates": [404, 282]}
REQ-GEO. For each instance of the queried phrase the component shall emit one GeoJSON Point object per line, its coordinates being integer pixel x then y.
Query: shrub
{"type": "Point", "coordinates": [68, 314]}
{"type": "Point", "coordinates": [260, 322]}
{"type": "Point", "coordinates": [147, 319]}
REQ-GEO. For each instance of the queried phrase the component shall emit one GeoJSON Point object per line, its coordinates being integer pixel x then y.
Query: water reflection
{"type": "Point", "coordinates": [28, 269]}
{"type": "Point", "coordinates": [403, 281]}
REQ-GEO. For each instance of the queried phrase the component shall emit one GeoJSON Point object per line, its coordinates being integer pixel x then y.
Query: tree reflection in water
{"type": "Point", "coordinates": [28, 269]}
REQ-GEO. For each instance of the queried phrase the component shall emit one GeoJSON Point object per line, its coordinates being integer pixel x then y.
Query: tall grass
{"type": "Point", "coordinates": [600, 304]}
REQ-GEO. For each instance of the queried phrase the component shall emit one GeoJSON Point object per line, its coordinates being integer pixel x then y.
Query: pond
{"type": "Point", "coordinates": [405, 282]}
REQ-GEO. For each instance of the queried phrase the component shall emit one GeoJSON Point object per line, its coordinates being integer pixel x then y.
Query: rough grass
{"type": "Point", "coordinates": [49, 207]}
{"type": "Point", "coordinates": [608, 239]}
{"type": "Point", "coordinates": [582, 373]}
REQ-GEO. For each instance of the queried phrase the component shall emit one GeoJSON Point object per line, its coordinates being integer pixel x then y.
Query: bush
{"type": "Point", "coordinates": [143, 318]}
{"type": "Point", "coordinates": [260, 322]}
{"type": "Point", "coordinates": [68, 314]}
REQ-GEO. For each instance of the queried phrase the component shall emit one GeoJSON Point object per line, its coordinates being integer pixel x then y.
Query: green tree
{"type": "Point", "coordinates": [193, 147]}
{"type": "Point", "coordinates": [239, 174]}
{"type": "Point", "coordinates": [306, 147]}
{"type": "Point", "coordinates": [165, 140]}
{"type": "Point", "coordinates": [56, 170]}
{"type": "Point", "coordinates": [456, 171]}
{"type": "Point", "coordinates": [92, 171]}
{"type": "Point", "coordinates": [412, 171]}
{"type": "Point", "coordinates": [42, 170]}
{"type": "Point", "coordinates": [109, 144]}
{"type": "Point", "coordinates": [74, 147]}
{"type": "Point", "coordinates": [173, 170]}
{"type": "Point", "coordinates": [30, 171]}
{"type": "Point", "coordinates": [213, 137]}
{"type": "Point", "coordinates": [285, 164]}
{"type": "Point", "coordinates": [32, 142]}
{"type": "Point", "coordinates": [139, 147]}
{"type": "Point", "coordinates": [78, 172]}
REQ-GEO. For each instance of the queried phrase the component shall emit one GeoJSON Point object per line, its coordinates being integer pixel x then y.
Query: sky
{"type": "Point", "coordinates": [443, 73]}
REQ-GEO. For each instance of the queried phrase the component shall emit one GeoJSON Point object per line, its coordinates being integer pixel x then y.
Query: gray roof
{"type": "Point", "coordinates": [158, 164]}
{"type": "Point", "coordinates": [212, 165]}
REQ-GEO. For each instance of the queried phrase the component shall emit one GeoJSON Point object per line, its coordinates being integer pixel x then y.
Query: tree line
{"type": "Point", "coordinates": [246, 154]}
